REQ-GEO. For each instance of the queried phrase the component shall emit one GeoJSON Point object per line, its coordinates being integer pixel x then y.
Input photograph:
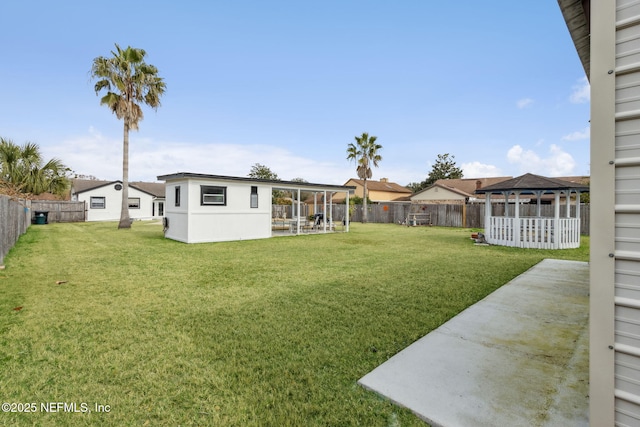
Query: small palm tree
{"type": "Point", "coordinates": [365, 153]}
{"type": "Point", "coordinates": [24, 169]}
{"type": "Point", "coordinates": [129, 82]}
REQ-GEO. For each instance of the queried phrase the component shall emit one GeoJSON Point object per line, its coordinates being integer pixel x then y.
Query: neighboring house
{"type": "Point", "coordinates": [606, 35]}
{"type": "Point", "coordinates": [462, 190]}
{"type": "Point", "coordinates": [454, 191]}
{"type": "Point", "coordinates": [380, 191]}
{"type": "Point", "coordinates": [103, 199]}
{"type": "Point", "coordinates": [213, 208]}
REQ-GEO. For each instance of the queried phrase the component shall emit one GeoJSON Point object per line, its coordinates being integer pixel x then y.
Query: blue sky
{"type": "Point", "coordinates": [289, 84]}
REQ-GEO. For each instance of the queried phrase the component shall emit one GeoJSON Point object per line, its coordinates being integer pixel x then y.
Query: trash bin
{"type": "Point", "coordinates": [42, 217]}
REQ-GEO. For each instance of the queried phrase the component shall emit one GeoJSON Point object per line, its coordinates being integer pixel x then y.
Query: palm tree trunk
{"type": "Point", "coordinates": [364, 203]}
{"type": "Point", "coordinates": [125, 221]}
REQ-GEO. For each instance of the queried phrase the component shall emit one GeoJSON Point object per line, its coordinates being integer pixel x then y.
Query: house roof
{"type": "Point", "coordinates": [307, 186]}
{"type": "Point", "coordinates": [155, 189]}
{"type": "Point", "coordinates": [577, 15]}
{"type": "Point", "coordinates": [533, 182]}
{"type": "Point", "coordinates": [390, 187]}
{"type": "Point", "coordinates": [464, 186]}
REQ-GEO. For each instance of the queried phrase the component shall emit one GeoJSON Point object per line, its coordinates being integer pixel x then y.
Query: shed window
{"type": "Point", "coordinates": [97, 203]}
{"type": "Point", "coordinates": [254, 196]}
{"type": "Point", "coordinates": [177, 195]}
{"type": "Point", "coordinates": [134, 202]}
{"type": "Point", "coordinates": [210, 195]}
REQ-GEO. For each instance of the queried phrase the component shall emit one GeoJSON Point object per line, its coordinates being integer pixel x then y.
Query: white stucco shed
{"type": "Point", "coordinates": [213, 208]}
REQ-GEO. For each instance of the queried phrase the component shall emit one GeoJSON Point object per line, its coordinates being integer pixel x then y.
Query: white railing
{"type": "Point", "coordinates": [534, 232]}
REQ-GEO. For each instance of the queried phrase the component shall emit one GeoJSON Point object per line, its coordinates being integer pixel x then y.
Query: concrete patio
{"type": "Point", "coordinates": [519, 357]}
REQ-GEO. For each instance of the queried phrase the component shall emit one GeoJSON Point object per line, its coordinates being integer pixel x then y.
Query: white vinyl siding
{"type": "Point", "coordinates": [615, 197]}
{"type": "Point", "coordinates": [627, 214]}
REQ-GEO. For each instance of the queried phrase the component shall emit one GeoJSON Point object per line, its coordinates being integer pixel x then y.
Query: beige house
{"type": "Point", "coordinates": [380, 191]}
{"type": "Point", "coordinates": [606, 35]}
{"type": "Point", "coordinates": [454, 191]}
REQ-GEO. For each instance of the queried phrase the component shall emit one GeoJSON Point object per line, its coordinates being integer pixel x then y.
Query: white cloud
{"type": "Point", "coordinates": [557, 163]}
{"type": "Point", "coordinates": [581, 92]}
{"type": "Point", "coordinates": [523, 103]}
{"type": "Point", "coordinates": [578, 135]}
{"type": "Point", "coordinates": [479, 170]}
{"type": "Point", "coordinates": [97, 155]}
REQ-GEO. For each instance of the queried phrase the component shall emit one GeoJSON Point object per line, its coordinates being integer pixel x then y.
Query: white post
{"type": "Point", "coordinates": [315, 204]}
{"type": "Point", "coordinates": [487, 214]}
{"type": "Point", "coordinates": [506, 203]}
{"type": "Point", "coordinates": [331, 210]}
{"type": "Point", "coordinates": [299, 217]}
{"type": "Point", "coordinates": [538, 202]}
{"type": "Point", "coordinates": [324, 211]}
{"type": "Point", "coordinates": [346, 213]}
{"type": "Point", "coordinates": [578, 213]}
{"type": "Point", "coordinates": [568, 203]}
{"type": "Point", "coordinates": [516, 221]}
{"type": "Point", "coordinates": [556, 222]}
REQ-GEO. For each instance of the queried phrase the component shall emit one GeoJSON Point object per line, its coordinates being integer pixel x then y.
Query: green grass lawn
{"type": "Point", "coordinates": [272, 332]}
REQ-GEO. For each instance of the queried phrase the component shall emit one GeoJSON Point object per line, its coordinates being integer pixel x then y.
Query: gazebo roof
{"type": "Point", "coordinates": [531, 182]}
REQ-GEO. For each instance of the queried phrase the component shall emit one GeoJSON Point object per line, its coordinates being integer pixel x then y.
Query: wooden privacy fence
{"type": "Point", "coordinates": [15, 218]}
{"type": "Point", "coordinates": [444, 215]}
{"type": "Point", "coordinates": [59, 211]}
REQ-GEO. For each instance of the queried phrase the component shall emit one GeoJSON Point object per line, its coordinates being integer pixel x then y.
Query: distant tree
{"type": "Point", "coordinates": [129, 82]}
{"type": "Point", "coordinates": [23, 169]}
{"type": "Point", "coordinates": [364, 153]}
{"type": "Point", "coordinates": [586, 197]}
{"type": "Point", "coordinates": [83, 176]}
{"type": "Point", "coordinates": [444, 168]}
{"type": "Point", "coordinates": [415, 186]}
{"type": "Point", "coordinates": [304, 195]}
{"type": "Point", "coordinates": [259, 171]}
{"type": "Point", "coordinates": [354, 200]}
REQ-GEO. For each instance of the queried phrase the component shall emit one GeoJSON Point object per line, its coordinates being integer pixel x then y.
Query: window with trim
{"type": "Point", "coordinates": [254, 196]}
{"type": "Point", "coordinates": [177, 195]}
{"type": "Point", "coordinates": [134, 202]}
{"type": "Point", "coordinates": [213, 195]}
{"type": "Point", "coordinates": [97, 203]}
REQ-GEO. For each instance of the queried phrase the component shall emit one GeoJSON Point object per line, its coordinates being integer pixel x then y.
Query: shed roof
{"type": "Point", "coordinates": [533, 182]}
{"type": "Point", "coordinates": [275, 183]}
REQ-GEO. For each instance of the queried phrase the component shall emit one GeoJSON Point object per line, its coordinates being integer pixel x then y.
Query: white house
{"type": "Point", "coordinates": [103, 199]}
{"type": "Point", "coordinates": [606, 35]}
{"type": "Point", "coordinates": [213, 208]}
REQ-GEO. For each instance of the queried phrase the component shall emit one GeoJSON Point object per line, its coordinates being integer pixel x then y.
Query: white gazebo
{"type": "Point", "coordinates": [537, 232]}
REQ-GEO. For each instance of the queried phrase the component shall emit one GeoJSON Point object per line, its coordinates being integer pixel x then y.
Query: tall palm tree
{"type": "Point", "coordinates": [23, 168]}
{"type": "Point", "coordinates": [364, 153]}
{"type": "Point", "coordinates": [129, 82]}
